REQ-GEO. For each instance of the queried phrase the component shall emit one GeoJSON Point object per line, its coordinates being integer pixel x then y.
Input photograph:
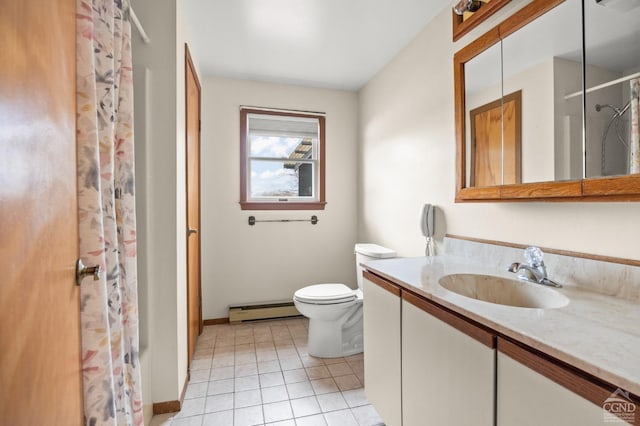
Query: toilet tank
{"type": "Point", "coordinates": [367, 252]}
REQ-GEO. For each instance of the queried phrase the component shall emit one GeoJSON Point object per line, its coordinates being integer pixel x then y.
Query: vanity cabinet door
{"type": "Point", "coordinates": [448, 367]}
{"type": "Point", "coordinates": [526, 396]}
{"type": "Point", "coordinates": [382, 347]}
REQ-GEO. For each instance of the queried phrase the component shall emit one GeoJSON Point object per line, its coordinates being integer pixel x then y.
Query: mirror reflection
{"type": "Point", "coordinates": [483, 112]}
{"type": "Point", "coordinates": [534, 131]}
{"type": "Point", "coordinates": [612, 56]}
{"type": "Point", "coordinates": [543, 60]}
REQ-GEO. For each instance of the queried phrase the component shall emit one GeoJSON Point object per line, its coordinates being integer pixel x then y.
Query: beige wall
{"type": "Point", "coordinates": [270, 261]}
{"type": "Point", "coordinates": [160, 198]}
{"type": "Point", "coordinates": [407, 158]}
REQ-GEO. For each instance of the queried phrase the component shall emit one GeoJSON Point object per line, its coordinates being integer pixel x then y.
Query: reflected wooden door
{"type": "Point", "coordinates": [487, 124]}
{"type": "Point", "coordinates": [40, 350]}
{"type": "Point", "coordinates": [194, 298]}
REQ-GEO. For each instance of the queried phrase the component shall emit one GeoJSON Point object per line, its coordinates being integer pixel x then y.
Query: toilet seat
{"type": "Point", "coordinates": [325, 294]}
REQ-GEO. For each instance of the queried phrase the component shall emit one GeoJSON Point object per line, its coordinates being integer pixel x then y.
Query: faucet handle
{"type": "Point", "coordinates": [534, 256]}
{"type": "Point", "coordinates": [514, 267]}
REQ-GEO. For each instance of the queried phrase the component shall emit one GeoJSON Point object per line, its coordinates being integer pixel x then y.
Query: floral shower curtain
{"type": "Point", "coordinates": [106, 212]}
{"type": "Point", "coordinates": [634, 146]}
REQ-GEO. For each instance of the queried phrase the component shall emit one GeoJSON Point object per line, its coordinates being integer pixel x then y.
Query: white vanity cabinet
{"type": "Point", "coordinates": [448, 367]}
{"type": "Point", "coordinates": [428, 365]}
{"type": "Point", "coordinates": [382, 369]}
{"type": "Point", "coordinates": [527, 396]}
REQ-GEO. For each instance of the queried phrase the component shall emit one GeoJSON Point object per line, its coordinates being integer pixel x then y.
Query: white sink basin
{"type": "Point", "coordinates": [504, 291]}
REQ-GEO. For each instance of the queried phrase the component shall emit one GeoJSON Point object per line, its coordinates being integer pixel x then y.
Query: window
{"type": "Point", "coordinates": [281, 160]}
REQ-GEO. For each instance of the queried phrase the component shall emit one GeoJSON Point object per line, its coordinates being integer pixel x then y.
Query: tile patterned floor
{"type": "Point", "coordinates": [261, 374]}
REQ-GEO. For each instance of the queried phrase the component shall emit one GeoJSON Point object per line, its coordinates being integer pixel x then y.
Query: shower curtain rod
{"type": "Point", "coordinates": [603, 85]}
{"type": "Point", "coordinates": [138, 25]}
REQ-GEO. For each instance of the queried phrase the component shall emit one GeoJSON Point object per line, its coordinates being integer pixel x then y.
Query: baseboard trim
{"type": "Point", "coordinates": [171, 406]}
{"type": "Point", "coordinates": [216, 321]}
{"type": "Point", "coordinates": [262, 311]}
{"type": "Point", "coordinates": [166, 407]}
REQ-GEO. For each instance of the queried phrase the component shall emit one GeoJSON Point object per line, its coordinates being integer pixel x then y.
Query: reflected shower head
{"type": "Point", "coordinates": [599, 107]}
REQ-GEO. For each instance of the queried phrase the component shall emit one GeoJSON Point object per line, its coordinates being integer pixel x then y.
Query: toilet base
{"type": "Point", "coordinates": [331, 339]}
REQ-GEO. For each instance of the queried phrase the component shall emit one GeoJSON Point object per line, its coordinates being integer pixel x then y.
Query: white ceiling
{"type": "Point", "coordinates": [338, 44]}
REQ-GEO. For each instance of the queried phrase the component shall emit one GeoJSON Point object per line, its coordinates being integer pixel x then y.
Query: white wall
{"type": "Point", "coordinates": [269, 261]}
{"type": "Point", "coordinates": [407, 158]}
{"type": "Point", "coordinates": [160, 177]}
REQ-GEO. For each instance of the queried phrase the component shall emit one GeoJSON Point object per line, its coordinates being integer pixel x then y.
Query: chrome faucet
{"type": "Point", "coordinates": [535, 271]}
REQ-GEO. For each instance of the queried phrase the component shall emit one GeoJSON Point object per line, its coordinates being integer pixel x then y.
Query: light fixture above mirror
{"type": "Point", "coordinates": [466, 6]}
{"type": "Point", "coordinates": [468, 14]}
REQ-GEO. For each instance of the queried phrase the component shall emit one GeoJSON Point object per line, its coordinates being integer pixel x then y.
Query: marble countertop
{"type": "Point", "coordinates": [596, 333]}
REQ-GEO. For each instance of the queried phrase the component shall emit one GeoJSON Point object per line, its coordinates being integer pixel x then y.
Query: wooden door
{"type": "Point", "coordinates": [489, 124]}
{"type": "Point", "coordinates": [40, 350]}
{"type": "Point", "coordinates": [512, 123]}
{"type": "Point", "coordinates": [194, 298]}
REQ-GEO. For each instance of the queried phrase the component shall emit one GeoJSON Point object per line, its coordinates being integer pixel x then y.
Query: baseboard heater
{"type": "Point", "coordinates": [262, 311]}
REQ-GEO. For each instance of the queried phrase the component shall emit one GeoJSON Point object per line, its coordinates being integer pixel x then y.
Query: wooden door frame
{"type": "Point", "coordinates": [190, 68]}
{"type": "Point", "coordinates": [517, 98]}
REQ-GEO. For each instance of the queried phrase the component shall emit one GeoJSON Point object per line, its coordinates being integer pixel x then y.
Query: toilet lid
{"type": "Point", "coordinates": [325, 294]}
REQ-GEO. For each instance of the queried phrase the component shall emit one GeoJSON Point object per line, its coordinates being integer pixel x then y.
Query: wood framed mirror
{"type": "Point", "coordinates": [559, 151]}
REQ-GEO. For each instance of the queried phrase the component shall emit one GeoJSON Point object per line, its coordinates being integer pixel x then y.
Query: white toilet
{"type": "Point", "coordinates": [335, 310]}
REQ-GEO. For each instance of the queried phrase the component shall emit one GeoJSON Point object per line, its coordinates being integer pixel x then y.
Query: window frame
{"type": "Point", "coordinates": [245, 202]}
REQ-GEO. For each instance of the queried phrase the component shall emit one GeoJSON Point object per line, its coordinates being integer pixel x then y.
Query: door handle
{"type": "Point", "coordinates": [192, 231]}
{"type": "Point", "coordinates": [83, 271]}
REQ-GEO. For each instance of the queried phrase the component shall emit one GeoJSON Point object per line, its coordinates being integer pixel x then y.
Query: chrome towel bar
{"type": "Point", "coordinates": [313, 220]}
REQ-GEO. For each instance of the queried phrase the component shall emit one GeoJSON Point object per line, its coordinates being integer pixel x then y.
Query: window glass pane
{"type": "Point", "coordinates": [281, 179]}
{"type": "Point", "coordinates": [273, 146]}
